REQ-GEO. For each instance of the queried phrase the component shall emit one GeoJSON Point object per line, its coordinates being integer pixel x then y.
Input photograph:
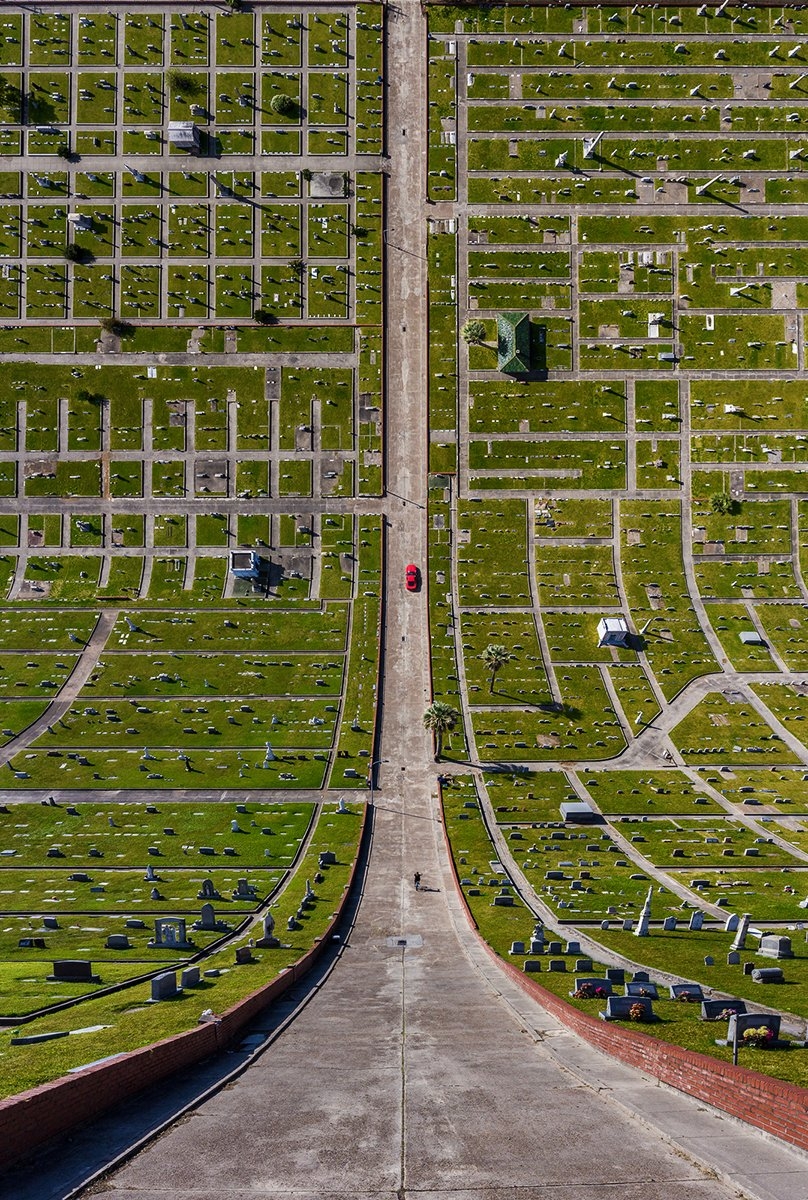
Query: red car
{"type": "Point", "coordinates": [412, 578]}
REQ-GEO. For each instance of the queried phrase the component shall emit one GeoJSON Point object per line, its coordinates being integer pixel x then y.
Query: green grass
{"type": "Point", "coordinates": [730, 732]}
{"type": "Point", "coordinates": [129, 1023]}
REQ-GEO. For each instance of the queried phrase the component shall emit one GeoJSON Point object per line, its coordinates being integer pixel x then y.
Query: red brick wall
{"type": "Point", "coordinates": [29, 1119]}
{"type": "Point", "coordinates": [779, 1108]}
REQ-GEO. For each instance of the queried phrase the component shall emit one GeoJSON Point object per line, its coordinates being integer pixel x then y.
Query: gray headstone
{"type": "Point", "coordinates": [207, 917]}
{"type": "Point", "coordinates": [643, 988]}
{"type": "Point", "coordinates": [118, 941]}
{"type": "Point", "coordinates": [189, 977]}
{"type": "Point", "coordinates": [733, 958]}
{"type": "Point", "coordinates": [739, 941]}
{"type": "Point", "coordinates": [696, 920]}
{"type": "Point", "coordinates": [532, 965]}
{"type": "Point", "coordinates": [618, 1007]}
{"type": "Point", "coordinates": [603, 985]}
{"type": "Point", "coordinates": [772, 945]}
{"type": "Point", "coordinates": [517, 948]}
{"type": "Point", "coordinates": [669, 924]}
{"type": "Point", "coordinates": [709, 961]}
{"type": "Point", "coordinates": [164, 986]}
{"type": "Point", "coordinates": [556, 964]}
{"type": "Point", "coordinates": [686, 991]}
{"type": "Point", "coordinates": [743, 1021]}
{"type": "Point", "coordinates": [731, 923]}
{"type": "Point", "coordinates": [711, 1010]}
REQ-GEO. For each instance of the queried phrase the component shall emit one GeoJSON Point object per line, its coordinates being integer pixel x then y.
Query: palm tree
{"type": "Point", "coordinates": [440, 717]}
{"type": "Point", "coordinates": [495, 658]}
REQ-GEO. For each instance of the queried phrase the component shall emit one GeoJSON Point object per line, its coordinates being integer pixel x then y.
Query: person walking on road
{"type": "Point", "coordinates": [417, 881]}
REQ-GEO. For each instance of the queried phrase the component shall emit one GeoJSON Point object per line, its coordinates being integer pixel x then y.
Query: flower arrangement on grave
{"type": "Point", "coordinates": [687, 997]}
{"type": "Point", "coordinates": [759, 1037]}
{"type": "Point", "coordinates": [588, 991]}
{"type": "Point", "coordinates": [636, 1012]}
{"type": "Point", "coordinates": [646, 992]}
{"type": "Point", "coordinates": [725, 1014]}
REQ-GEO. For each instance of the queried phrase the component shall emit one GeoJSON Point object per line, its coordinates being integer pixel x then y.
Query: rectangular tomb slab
{"type": "Point", "coordinates": [73, 970]}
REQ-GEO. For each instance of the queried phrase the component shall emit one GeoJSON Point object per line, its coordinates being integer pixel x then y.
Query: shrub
{"type": "Point", "coordinates": [117, 326]}
{"type": "Point", "coordinates": [184, 85]}
{"type": "Point", "coordinates": [283, 104]}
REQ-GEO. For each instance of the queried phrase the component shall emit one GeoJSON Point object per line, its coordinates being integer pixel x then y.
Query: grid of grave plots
{"type": "Point", "coordinates": [162, 668]}
{"type": "Point", "coordinates": [189, 165]}
{"type": "Point", "coordinates": [132, 459]}
{"type": "Point", "coordinates": [621, 247]}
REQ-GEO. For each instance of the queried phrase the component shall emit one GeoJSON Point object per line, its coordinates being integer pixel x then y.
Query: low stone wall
{"type": "Point", "coordinates": [31, 1118]}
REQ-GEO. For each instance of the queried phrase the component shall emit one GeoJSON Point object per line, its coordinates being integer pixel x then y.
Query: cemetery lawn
{"type": "Point", "coordinates": [681, 953]}
{"type": "Point", "coordinates": [130, 1021]}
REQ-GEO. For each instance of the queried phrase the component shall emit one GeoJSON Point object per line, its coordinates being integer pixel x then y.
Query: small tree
{"type": "Point", "coordinates": [75, 254]}
{"type": "Point", "coordinates": [721, 502]}
{"type": "Point", "coordinates": [297, 266]}
{"type": "Point", "coordinates": [117, 326]}
{"type": "Point", "coordinates": [473, 332]}
{"type": "Point", "coordinates": [495, 658]}
{"type": "Point", "coordinates": [264, 317]}
{"type": "Point", "coordinates": [440, 718]}
{"type": "Point", "coordinates": [183, 84]}
{"type": "Point", "coordinates": [63, 150]}
{"type": "Point", "coordinates": [87, 397]}
{"type": "Point", "coordinates": [282, 104]}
